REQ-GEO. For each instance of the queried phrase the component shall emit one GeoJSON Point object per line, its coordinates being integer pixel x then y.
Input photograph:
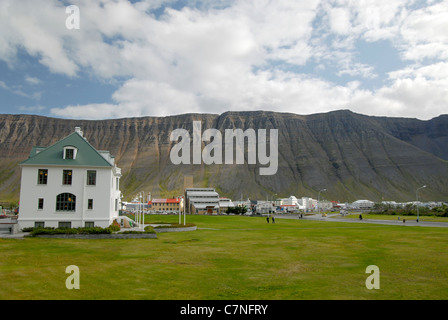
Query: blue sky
{"type": "Point", "coordinates": [162, 57]}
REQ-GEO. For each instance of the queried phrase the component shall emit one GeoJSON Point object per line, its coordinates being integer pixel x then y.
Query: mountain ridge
{"type": "Point", "coordinates": [351, 155]}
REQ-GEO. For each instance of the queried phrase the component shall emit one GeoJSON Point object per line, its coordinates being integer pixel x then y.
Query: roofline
{"type": "Point", "coordinates": [63, 166]}
{"type": "Point", "coordinates": [82, 137]}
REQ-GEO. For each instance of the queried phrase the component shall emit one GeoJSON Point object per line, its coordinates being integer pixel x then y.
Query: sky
{"type": "Point", "coordinates": [165, 57]}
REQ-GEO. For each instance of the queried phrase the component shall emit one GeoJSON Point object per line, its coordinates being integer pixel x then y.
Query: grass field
{"type": "Point", "coordinates": [373, 216]}
{"type": "Point", "coordinates": [232, 257]}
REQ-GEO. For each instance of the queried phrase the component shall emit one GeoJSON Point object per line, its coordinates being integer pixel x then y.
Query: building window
{"type": "Point", "coordinates": [89, 224]}
{"type": "Point", "coordinates": [42, 176]}
{"type": "Point", "coordinates": [39, 224]}
{"type": "Point", "coordinates": [66, 202]}
{"type": "Point", "coordinates": [67, 177]}
{"type": "Point", "coordinates": [40, 204]}
{"type": "Point", "coordinates": [90, 204]}
{"type": "Point", "coordinates": [64, 224]}
{"type": "Point", "coordinates": [91, 177]}
{"type": "Point", "coordinates": [69, 153]}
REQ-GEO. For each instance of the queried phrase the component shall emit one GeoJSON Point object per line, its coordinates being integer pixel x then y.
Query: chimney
{"type": "Point", "coordinates": [78, 131]}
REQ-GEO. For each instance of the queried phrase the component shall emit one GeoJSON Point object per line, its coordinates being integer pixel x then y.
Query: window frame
{"type": "Point", "coordinates": [40, 203]}
{"type": "Point", "coordinates": [42, 176]}
{"type": "Point", "coordinates": [91, 177]}
{"type": "Point", "coordinates": [67, 177]}
{"type": "Point", "coordinates": [67, 223]}
{"type": "Point", "coordinates": [69, 153]}
{"type": "Point", "coordinates": [39, 224]}
{"type": "Point", "coordinates": [65, 202]}
{"type": "Point", "coordinates": [89, 224]}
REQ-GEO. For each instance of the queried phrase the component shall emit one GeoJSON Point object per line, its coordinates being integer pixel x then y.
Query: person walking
{"type": "Point", "coordinates": [273, 219]}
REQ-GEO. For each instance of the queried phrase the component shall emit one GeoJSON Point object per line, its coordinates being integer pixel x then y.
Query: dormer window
{"type": "Point", "coordinates": [70, 152]}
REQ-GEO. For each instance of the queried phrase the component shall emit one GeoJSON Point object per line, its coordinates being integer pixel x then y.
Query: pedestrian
{"type": "Point", "coordinates": [267, 219]}
{"type": "Point", "coordinates": [273, 219]}
{"type": "Point", "coordinates": [360, 217]}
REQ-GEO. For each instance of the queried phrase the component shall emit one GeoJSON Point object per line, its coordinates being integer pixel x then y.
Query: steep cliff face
{"type": "Point", "coordinates": [353, 156]}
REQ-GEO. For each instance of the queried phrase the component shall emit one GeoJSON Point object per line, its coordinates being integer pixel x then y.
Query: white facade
{"type": "Point", "coordinates": [363, 204]}
{"type": "Point", "coordinates": [264, 207]}
{"type": "Point", "coordinates": [80, 203]}
{"type": "Point", "coordinates": [225, 203]}
{"type": "Point", "coordinates": [309, 204]}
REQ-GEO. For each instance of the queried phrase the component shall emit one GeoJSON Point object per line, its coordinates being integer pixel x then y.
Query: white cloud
{"type": "Point", "coordinates": [32, 80]}
{"type": "Point", "coordinates": [424, 33]}
{"type": "Point", "coordinates": [340, 20]}
{"type": "Point", "coordinates": [235, 55]}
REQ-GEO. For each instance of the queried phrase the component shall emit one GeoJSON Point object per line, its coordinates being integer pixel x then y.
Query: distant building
{"type": "Point", "coordinates": [363, 204]}
{"type": "Point", "coordinates": [325, 205]}
{"type": "Point", "coordinates": [264, 207]}
{"type": "Point", "coordinates": [309, 204]}
{"type": "Point", "coordinates": [69, 184]}
{"type": "Point", "coordinates": [166, 205]}
{"type": "Point", "coordinates": [225, 203]}
{"type": "Point", "coordinates": [201, 201]}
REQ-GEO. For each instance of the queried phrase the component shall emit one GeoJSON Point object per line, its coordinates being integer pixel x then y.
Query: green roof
{"type": "Point", "coordinates": [53, 155]}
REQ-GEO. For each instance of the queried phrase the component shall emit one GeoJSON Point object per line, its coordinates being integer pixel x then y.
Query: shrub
{"type": "Point", "coordinates": [115, 226]}
{"type": "Point", "coordinates": [53, 231]}
{"type": "Point", "coordinates": [149, 229]}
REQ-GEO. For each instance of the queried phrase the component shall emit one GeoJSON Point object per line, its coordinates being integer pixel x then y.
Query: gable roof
{"type": "Point", "coordinates": [87, 155]}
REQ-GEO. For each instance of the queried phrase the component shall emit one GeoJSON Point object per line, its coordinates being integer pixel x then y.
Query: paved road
{"type": "Point", "coordinates": [397, 222]}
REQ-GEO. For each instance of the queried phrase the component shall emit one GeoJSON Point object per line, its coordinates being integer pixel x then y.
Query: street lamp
{"type": "Point", "coordinates": [318, 200]}
{"type": "Point", "coordinates": [416, 195]}
{"type": "Point", "coordinates": [139, 216]}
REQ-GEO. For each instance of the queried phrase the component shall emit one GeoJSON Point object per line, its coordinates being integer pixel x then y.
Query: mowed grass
{"type": "Point", "coordinates": [232, 257]}
{"type": "Point", "coordinates": [373, 216]}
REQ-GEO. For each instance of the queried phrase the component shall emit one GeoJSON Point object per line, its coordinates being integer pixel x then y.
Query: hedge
{"type": "Point", "coordinates": [52, 231]}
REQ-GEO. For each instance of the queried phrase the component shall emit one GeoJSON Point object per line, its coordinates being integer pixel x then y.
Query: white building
{"type": "Point", "coordinates": [363, 204]}
{"type": "Point", "coordinates": [69, 184]}
{"type": "Point", "coordinates": [291, 201]}
{"type": "Point", "coordinates": [309, 204]}
{"type": "Point", "coordinates": [264, 207]}
{"type": "Point", "coordinates": [202, 201]}
{"type": "Point", "coordinates": [225, 203]}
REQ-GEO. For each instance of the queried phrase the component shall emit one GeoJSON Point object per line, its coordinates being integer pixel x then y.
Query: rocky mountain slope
{"type": "Point", "coordinates": [353, 156]}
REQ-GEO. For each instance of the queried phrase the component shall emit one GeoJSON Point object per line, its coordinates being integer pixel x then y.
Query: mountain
{"type": "Point", "coordinates": [352, 156]}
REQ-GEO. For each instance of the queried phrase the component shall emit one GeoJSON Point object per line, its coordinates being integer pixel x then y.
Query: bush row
{"type": "Point", "coordinates": [52, 231]}
{"type": "Point", "coordinates": [148, 229]}
{"type": "Point", "coordinates": [422, 212]}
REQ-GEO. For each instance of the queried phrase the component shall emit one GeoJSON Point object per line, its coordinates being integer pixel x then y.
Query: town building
{"type": "Point", "coordinates": [225, 203]}
{"type": "Point", "coordinates": [201, 201]}
{"type": "Point", "coordinates": [174, 205]}
{"type": "Point", "coordinates": [363, 204]}
{"type": "Point", "coordinates": [264, 207]}
{"type": "Point", "coordinates": [69, 184]}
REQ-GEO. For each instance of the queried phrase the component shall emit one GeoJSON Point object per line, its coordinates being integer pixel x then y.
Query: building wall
{"type": "Point", "coordinates": [105, 195]}
{"type": "Point", "coordinates": [167, 206]}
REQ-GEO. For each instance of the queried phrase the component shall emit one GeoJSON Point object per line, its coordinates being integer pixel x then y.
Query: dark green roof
{"type": "Point", "coordinates": [53, 155]}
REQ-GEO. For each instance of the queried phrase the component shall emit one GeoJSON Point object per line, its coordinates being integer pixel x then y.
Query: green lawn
{"type": "Point", "coordinates": [235, 257]}
{"type": "Point", "coordinates": [373, 216]}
